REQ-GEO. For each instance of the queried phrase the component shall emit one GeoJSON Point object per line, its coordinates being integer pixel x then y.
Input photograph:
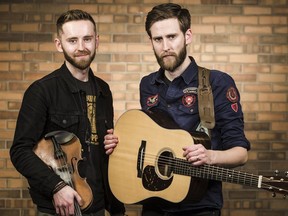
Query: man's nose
{"type": "Point", "coordinates": [81, 45]}
{"type": "Point", "coordinates": [166, 45]}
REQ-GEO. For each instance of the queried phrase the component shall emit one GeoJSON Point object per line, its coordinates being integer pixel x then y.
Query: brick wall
{"type": "Point", "coordinates": [245, 38]}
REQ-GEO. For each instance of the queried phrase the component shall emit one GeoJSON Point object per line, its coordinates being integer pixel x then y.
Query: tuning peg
{"type": "Point", "coordinates": [276, 172]}
{"type": "Point", "coordinates": [286, 173]}
{"type": "Point", "coordinates": [273, 194]}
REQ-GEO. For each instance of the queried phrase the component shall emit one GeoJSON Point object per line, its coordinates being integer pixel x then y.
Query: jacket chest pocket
{"type": "Point", "coordinates": [64, 122]}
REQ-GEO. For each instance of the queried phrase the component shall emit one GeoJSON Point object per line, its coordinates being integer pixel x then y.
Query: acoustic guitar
{"type": "Point", "coordinates": [148, 162]}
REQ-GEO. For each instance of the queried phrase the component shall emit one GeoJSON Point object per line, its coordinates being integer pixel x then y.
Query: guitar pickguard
{"type": "Point", "coordinates": [152, 182]}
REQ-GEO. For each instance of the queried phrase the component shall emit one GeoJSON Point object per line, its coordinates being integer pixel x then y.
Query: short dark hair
{"type": "Point", "coordinates": [73, 15]}
{"type": "Point", "coordinates": [167, 11]}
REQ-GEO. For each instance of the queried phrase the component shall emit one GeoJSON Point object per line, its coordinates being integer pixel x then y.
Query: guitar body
{"type": "Point", "coordinates": [141, 165]}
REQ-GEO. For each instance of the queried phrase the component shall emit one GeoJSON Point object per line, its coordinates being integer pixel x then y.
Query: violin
{"type": "Point", "coordinates": [61, 151]}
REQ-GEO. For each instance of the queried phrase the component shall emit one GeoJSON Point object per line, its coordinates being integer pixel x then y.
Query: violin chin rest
{"type": "Point", "coordinates": [60, 136]}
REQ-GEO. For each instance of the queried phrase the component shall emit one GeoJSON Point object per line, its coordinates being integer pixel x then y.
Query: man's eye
{"type": "Point", "coordinates": [157, 40]}
{"type": "Point", "coordinates": [87, 39]}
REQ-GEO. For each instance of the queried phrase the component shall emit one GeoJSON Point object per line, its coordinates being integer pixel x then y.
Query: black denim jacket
{"type": "Point", "coordinates": [53, 103]}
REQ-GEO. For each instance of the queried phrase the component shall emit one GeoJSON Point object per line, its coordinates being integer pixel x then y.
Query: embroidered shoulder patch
{"type": "Point", "coordinates": [152, 100]}
{"type": "Point", "coordinates": [234, 107]}
{"type": "Point", "coordinates": [232, 95]}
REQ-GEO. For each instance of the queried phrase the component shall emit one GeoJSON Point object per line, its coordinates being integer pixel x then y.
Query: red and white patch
{"type": "Point", "coordinates": [234, 107]}
{"type": "Point", "coordinates": [188, 100]}
{"type": "Point", "coordinates": [152, 100]}
{"type": "Point", "coordinates": [232, 95]}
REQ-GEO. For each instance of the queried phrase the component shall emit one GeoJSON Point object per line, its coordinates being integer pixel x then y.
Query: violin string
{"type": "Point", "coordinates": [67, 176]}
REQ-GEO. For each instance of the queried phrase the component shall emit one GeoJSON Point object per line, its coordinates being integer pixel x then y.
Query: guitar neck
{"type": "Point", "coordinates": [183, 167]}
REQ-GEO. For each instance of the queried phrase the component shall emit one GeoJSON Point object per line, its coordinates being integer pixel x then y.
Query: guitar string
{"type": "Point", "coordinates": [186, 168]}
{"type": "Point", "coordinates": [206, 168]}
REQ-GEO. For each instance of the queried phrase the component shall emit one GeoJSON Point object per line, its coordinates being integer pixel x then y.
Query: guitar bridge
{"type": "Point", "coordinates": [140, 161]}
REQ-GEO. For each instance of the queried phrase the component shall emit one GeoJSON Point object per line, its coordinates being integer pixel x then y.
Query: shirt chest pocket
{"type": "Point", "coordinates": [184, 110]}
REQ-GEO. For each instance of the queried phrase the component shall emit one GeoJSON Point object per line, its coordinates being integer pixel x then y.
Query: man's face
{"type": "Point", "coordinates": [168, 43]}
{"type": "Point", "coordinates": [78, 42]}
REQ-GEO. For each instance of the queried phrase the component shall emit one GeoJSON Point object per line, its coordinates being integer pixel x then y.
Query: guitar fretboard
{"type": "Point", "coordinates": [183, 167]}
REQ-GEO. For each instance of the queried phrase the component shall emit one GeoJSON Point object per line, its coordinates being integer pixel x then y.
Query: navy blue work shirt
{"type": "Point", "coordinates": [179, 99]}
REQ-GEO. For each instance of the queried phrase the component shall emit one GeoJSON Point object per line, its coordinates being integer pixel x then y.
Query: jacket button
{"type": "Point", "coordinates": [64, 121]}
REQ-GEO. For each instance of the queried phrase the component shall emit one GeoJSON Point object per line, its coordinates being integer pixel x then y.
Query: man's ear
{"type": "Point", "coordinates": [188, 36]}
{"type": "Point", "coordinates": [58, 44]}
{"type": "Point", "coordinates": [151, 41]}
{"type": "Point", "coordinates": [97, 41]}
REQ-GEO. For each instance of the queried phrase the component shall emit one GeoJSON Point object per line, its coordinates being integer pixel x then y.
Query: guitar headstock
{"type": "Point", "coordinates": [276, 184]}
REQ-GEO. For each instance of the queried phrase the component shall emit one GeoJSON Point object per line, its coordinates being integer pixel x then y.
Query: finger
{"type": "Point", "coordinates": [109, 140]}
{"type": "Point", "coordinates": [109, 151]}
{"type": "Point", "coordinates": [62, 211]}
{"type": "Point", "coordinates": [79, 199]}
{"type": "Point", "coordinates": [109, 146]}
{"type": "Point", "coordinates": [110, 131]}
{"type": "Point", "coordinates": [113, 140]}
{"type": "Point", "coordinates": [193, 158]}
{"type": "Point", "coordinates": [188, 149]}
{"type": "Point", "coordinates": [57, 211]}
{"type": "Point", "coordinates": [70, 210]}
{"type": "Point", "coordinates": [185, 151]}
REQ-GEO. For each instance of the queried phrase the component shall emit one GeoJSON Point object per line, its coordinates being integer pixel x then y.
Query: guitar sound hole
{"type": "Point", "coordinates": [165, 164]}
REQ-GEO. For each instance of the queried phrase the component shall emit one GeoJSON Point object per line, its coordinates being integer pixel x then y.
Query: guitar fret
{"type": "Point", "coordinates": [184, 167]}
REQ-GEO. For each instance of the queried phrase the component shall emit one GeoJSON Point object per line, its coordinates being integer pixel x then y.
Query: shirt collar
{"type": "Point", "coordinates": [188, 75]}
{"type": "Point", "coordinates": [190, 72]}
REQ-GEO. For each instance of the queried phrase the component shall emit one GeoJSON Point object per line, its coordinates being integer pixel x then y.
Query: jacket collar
{"type": "Point", "coordinates": [69, 79]}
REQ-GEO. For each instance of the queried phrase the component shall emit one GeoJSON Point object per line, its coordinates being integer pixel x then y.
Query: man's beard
{"type": "Point", "coordinates": [172, 65]}
{"type": "Point", "coordinates": [83, 64]}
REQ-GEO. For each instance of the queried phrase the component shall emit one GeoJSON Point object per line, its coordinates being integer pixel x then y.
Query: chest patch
{"type": "Point", "coordinates": [190, 90]}
{"type": "Point", "coordinates": [188, 100]}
